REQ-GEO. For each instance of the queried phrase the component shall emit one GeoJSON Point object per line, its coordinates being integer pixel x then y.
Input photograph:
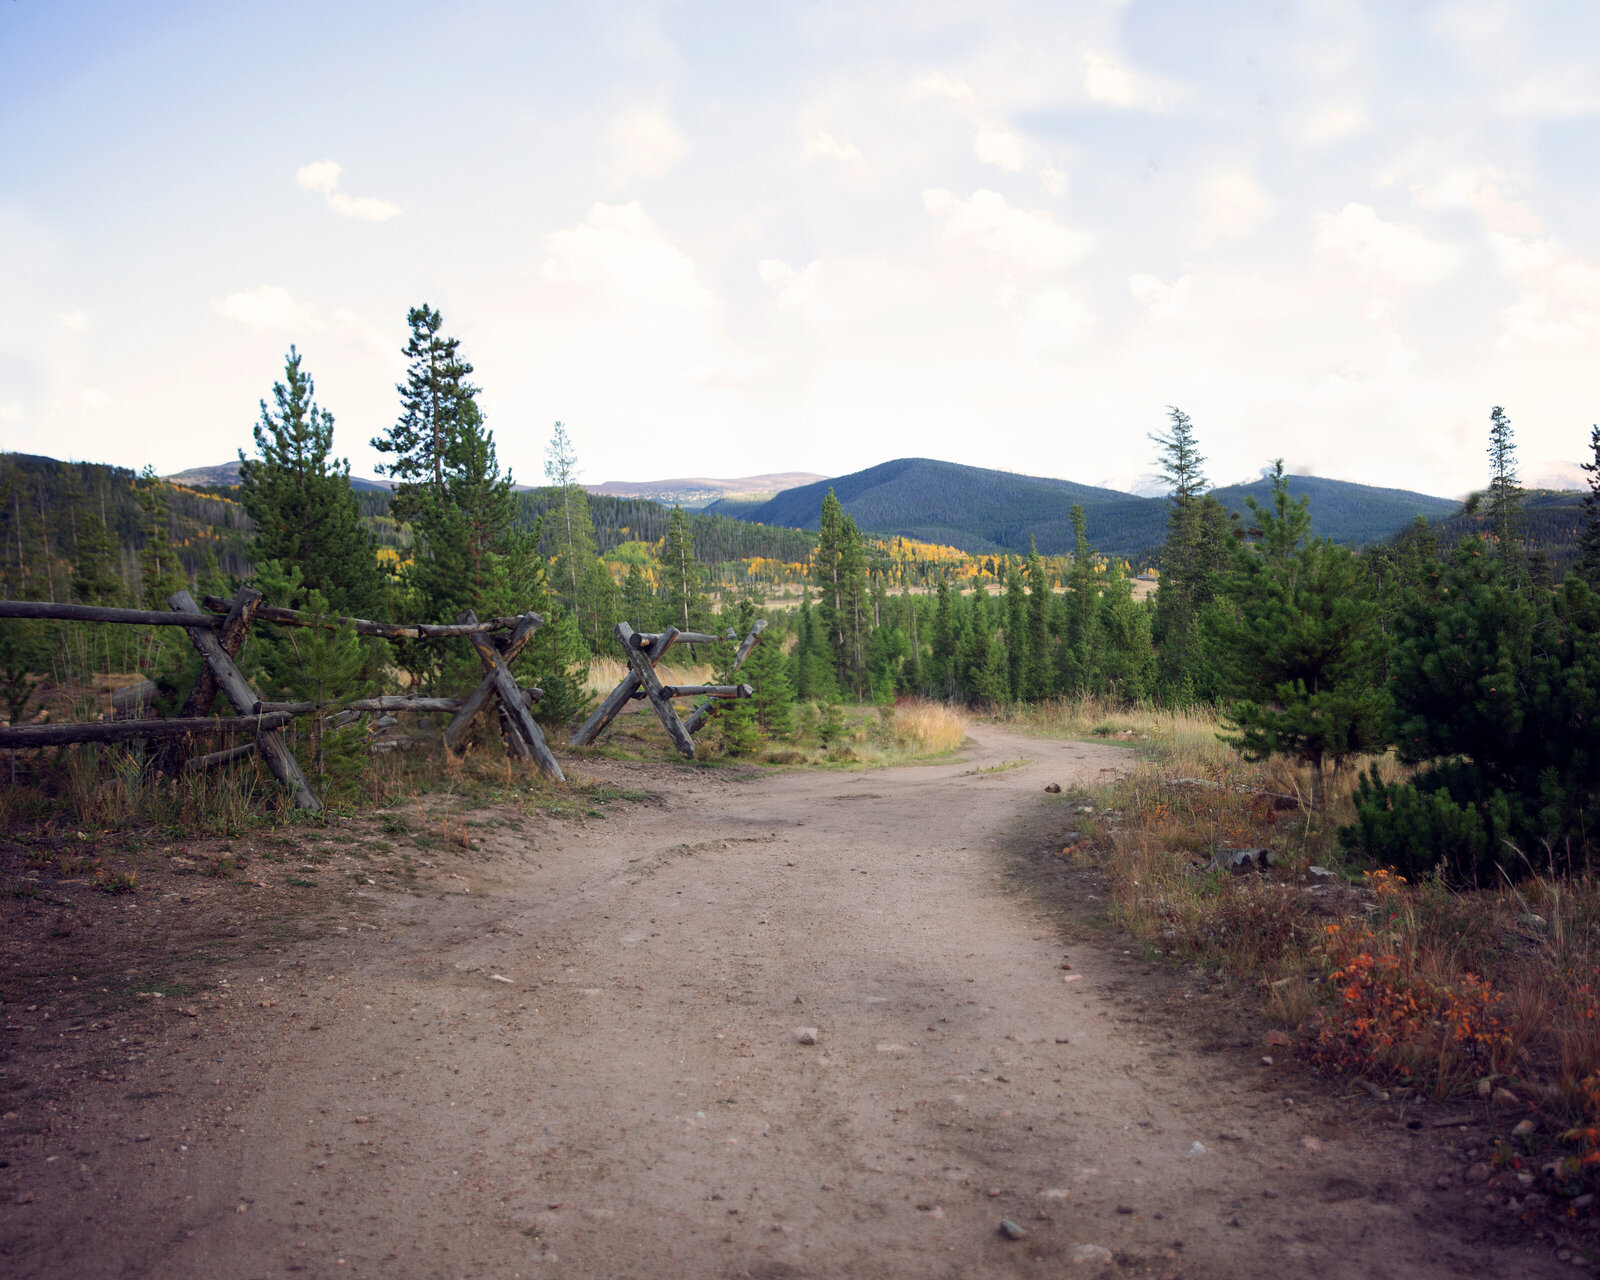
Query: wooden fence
{"type": "Point", "coordinates": [218, 632]}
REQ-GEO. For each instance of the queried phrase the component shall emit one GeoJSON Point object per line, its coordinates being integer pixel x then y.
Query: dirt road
{"type": "Point", "coordinates": [588, 1065]}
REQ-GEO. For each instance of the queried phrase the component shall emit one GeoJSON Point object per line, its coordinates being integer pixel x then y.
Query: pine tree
{"type": "Point", "coordinates": [943, 667]}
{"type": "Point", "coordinates": [1016, 631]}
{"type": "Point", "coordinates": [316, 664]}
{"type": "Point", "coordinates": [638, 600]}
{"type": "Point", "coordinates": [1505, 495]}
{"type": "Point", "coordinates": [1296, 644]}
{"type": "Point", "coordinates": [1075, 656]}
{"type": "Point", "coordinates": [94, 576]}
{"type": "Point", "coordinates": [602, 605]}
{"type": "Point", "coordinates": [1496, 693]}
{"type": "Point", "coordinates": [573, 530]}
{"type": "Point", "coordinates": [1039, 682]}
{"type": "Point", "coordinates": [1589, 539]}
{"type": "Point", "coordinates": [682, 600]}
{"type": "Point", "coordinates": [160, 572]}
{"type": "Point", "coordinates": [1182, 592]}
{"type": "Point", "coordinates": [432, 400]}
{"type": "Point", "coordinates": [838, 567]}
{"type": "Point", "coordinates": [300, 501]}
{"type": "Point", "coordinates": [1121, 665]}
{"type": "Point", "coordinates": [460, 506]}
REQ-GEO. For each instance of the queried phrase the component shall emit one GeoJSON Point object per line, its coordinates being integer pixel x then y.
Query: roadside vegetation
{"type": "Point", "coordinates": [1484, 995]}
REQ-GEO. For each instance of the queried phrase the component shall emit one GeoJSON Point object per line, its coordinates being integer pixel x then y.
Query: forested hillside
{"type": "Point", "coordinates": [61, 521]}
{"type": "Point", "coordinates": [985, 511]}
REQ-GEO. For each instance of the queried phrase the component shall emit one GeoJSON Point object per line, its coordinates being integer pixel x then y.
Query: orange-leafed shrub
{"type": "Point", "coordinates": [1388, 1016]}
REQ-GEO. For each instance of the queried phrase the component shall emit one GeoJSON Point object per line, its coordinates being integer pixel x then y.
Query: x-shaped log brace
{"type": "Point", "coordinates": [230, 680]}
{"type": "Point", "coordinates": [618, 698]}
{"type": "Point", "coordinates": [643, 666]}
{"type": "Point", "coordinates": [498, 682]}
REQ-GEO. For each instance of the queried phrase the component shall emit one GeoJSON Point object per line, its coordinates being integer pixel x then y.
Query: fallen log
{"type": "Point", "coordinates": [56, 735]}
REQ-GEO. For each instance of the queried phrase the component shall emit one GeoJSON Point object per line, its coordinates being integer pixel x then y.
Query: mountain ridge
{"type": "Point", "coordinates": [985, 511]}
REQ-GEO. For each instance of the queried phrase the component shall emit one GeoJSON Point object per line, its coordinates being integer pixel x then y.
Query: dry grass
{"type": "Point", "coordinates": [1417, 984]}
{"type": "Point", "coordinates": [605, 674]}
{"type": "Point", "coordinates": [930, 728]}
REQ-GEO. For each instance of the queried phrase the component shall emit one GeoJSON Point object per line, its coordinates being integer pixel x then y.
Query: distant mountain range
{"type": "Point", "coordinates": [226, 474]}
{"type": "Point", "coordinates": [691, 492]}
{"type": "Point", "coordinates": [702, 491]}
{"type": "Point", "coordinates": [984, 511]}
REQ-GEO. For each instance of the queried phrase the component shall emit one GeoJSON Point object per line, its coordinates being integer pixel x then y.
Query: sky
{"type": "Point", "coordinates": [726, 239]}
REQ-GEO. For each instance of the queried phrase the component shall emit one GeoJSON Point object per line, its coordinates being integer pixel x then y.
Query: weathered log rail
{"type": "Point", "coordinates": [67, 733]}
{"type": "Point", "coordinates": [218, 632]}
{"type": "Point", "coordinates": [644, 650]}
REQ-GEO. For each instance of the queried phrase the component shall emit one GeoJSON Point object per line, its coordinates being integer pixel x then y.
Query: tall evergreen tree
{"type": "Point", "coordinates": [838, 567]}
{"type": "Point", "coordinates": [1075, 654]}
{"type": "Point", "coordinates": [573, 530]}
{"type": "Point", "coordinates": [160, 572]}
{"type": "Point", "coordinates": [300, 501]}
{"type": "Point", "coordinates": [1589, 539]}
{"type": "Point", "coordinates": [1121, 665]}
{"type": "Point", "coordinates": [1177, 605]}
{"type": "Point", "coordinates": [94, 575]}
{"type": "Point", "coordinates": [638, 600]}
{"type": "Point", "coordinates": [1039, 681]}
{"type": "Point", "coordinates": [1017, 634]}
{"type": "Point", "coordinates": [682, 600]}
{"type": "Point", "coordinates": [433, 399]}
{"type": "Point", "coordinates": [1505, 494]}
{"type": "Point", "coordinates": [459, 504]}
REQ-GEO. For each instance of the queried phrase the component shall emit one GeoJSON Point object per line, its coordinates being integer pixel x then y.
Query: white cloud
{"type": "Point", "coordinates": [1558, 307]}
{"type": "Point", "coordinates": [1231, 204]}
{"type": "Point", "coordinates": [323, 176]}
{"type": "Point", "coordinates": [1386, 252]}
{"type": "Point", "coordinates": [645, 145]}
{"type": "Point", "coordinates": [93, 399]}
{"type": "Point", "coordinates": [936, 84]}
{"type": "Point", "coordinates": [1056, 323]}
{"type": "Point", "coordinates": [822, 145]}
{"type": "Point", "coordinates": [268, 308]}
{"type": "Point", "coordinates": [363, 208]}
{"type": "Point", "coordinates": [620, 248]}
{"type": "Point", "coordinates": [320, 175]}
{"type": "Point", "coordinates": [1000, 147]}
{"type": "Point", "coordinates": [1329, 124]}
{"type": "Point", "coordinates": [1161, 300]}
{"type": "Point", "coordinates": [11, 412]}
{"type": "Point", "coordinates": [1021, 238]}
{"type": "Point", "coordinates": [1108, 81]}
{"type": "Point", "coordinates": [1052, 181]}
{"type": "Point", "coordinates": [794, 288]}
{"type": "Point", "coordinates": [77, 321]}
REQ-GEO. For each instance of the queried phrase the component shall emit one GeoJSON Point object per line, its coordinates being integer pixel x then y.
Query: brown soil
{"type": "Point", "coordinates": [573, 1051]}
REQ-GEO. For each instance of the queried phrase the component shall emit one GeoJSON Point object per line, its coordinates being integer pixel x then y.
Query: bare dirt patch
{"type": "Point", "coordinates": [582, 1057]}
